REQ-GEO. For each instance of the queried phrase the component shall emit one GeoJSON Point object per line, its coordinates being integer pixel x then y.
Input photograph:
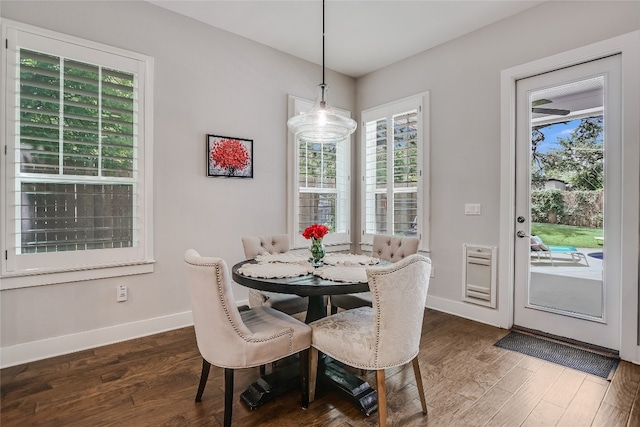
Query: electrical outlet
{"type": "Point", "coordinates": [122, 293]}
{"type": "Point", "coordinates": [433, 271]}
{"type": "Point", "coordinates": [472, 209]}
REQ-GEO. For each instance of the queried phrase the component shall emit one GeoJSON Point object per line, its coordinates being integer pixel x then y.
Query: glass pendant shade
{"type": "Point", "coordinates": [321, 124]}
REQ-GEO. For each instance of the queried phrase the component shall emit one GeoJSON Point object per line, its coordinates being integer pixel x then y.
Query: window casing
{"type": "Point", "coordinates": [394, 191]}
{"type": "Point", "coordinates": [77, 166]}
{"type": "Point", "coordinates": [319, 185]}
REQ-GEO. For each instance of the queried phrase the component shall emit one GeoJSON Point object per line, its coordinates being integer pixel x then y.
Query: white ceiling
{"type": "Point", "coordinates": [361, 36]}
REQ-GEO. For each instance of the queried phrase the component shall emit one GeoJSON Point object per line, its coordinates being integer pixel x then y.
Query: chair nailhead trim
{"type": "Point", "coordinates": [288, 331]}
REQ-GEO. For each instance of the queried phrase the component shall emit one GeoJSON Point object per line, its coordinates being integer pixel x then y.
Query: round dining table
{"type": "Point", "coordinates": [312, 286]}
{"type": "Point", "coordinates": [330, 373]}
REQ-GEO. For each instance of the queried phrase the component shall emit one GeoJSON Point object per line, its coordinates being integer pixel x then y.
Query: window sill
{"type": "Point", "coordinates": [26, 280]}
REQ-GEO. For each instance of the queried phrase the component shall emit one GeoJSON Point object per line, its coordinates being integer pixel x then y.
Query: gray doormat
{"type": "Point", "coordinates": [551, 351]}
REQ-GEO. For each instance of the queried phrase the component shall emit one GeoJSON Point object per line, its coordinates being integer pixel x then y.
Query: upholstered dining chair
{"type": "Point", "coordinates": [388, 248]}
{"type": "Point", "coordinates": [279, 243]}
{"type": "Point", "coordinates": [383, 336]}
{"type": "Point", "coordinates": [230, 339]}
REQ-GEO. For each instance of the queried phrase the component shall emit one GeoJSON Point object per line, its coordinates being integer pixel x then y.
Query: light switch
{"type": "Point", "coordinates": [472, 209]}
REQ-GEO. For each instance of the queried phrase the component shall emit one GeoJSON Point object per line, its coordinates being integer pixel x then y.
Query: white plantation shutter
{"type": "Point", "coordinates": [376, 176]}
{"type": "Point", "coordinates": [76, 123]}
{"type": "Point", "coordinates": [393, 151]}
{"type": "Point", "coordinates": [75, 183]}
{"type": "Point", "coordinates": [405, 172]}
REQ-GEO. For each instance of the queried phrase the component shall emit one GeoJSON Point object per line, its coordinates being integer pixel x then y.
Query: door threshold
{"type": "Point", "coordinates": [568, 341]}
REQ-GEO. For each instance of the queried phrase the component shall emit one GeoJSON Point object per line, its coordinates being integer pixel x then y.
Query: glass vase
{"type": "Point", "coordinates": [317, 252]}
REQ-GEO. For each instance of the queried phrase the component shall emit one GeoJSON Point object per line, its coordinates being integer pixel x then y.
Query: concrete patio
{"type": "Point", "coordinates": [569, 284]}
{"type": "Point", "coordinates": [565, 265]}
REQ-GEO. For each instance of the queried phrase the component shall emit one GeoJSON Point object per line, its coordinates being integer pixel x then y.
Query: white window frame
{"type": "Point", "coordinates": [337, 241]}
{"type": "Point", "coordinates": [23, 270]}
{"type": "Point", "coordinates": [420, 102]}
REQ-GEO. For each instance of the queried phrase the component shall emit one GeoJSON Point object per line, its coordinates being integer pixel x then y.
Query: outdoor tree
{"type": "Point", "coordinates": [537, 165]}
{"type": "Point", "coordinates": [95, 106]}
{"type": "Point", "coordinates": [579, 160]}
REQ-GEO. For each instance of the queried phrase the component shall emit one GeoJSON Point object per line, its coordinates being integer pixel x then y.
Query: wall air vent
{"type": "Point", "coordinates": [479, 275]}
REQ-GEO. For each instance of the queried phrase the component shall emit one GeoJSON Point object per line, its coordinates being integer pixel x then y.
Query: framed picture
{"type": "Point", "coordinates": [229, 157]}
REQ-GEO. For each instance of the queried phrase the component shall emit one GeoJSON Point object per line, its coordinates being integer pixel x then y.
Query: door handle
{"type": "Point", "coordinates": [522, 234]}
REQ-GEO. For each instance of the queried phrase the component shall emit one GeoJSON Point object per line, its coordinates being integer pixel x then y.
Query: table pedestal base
{"type": "Point", "coordinates": [330, 373]}
{"type": "Point", "coordinates": [358, 391]}
{"type": "Point", "coordinates": [272, 385]}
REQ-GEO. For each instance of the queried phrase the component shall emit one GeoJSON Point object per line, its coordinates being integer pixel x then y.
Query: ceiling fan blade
{"type": "Point", "coordinates": [540, 102]}
{"type": "Point", "coordinates": [554, 111]}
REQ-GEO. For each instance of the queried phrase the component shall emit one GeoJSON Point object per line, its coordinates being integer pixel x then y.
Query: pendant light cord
{"type": "Point", "coordinates": [323, 42]}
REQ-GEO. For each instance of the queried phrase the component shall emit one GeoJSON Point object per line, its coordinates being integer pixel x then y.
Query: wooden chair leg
{"type": "Point", "coordinates": [416, 371]}
{"type": "Point", "coordinates": [313, 372]}
{"type": "Point", "coordinates": [304, 377]}
{"type": "Point", "coordinates": [334, 309]}
{"type": "Point", "coordinates": [206, 366]}
{"type": "Point", "coordinates": [228, 396]}
{"type": "Point", "coordinates": [263, 369]}
{"type": "Point", "coordinates": [382, 398]}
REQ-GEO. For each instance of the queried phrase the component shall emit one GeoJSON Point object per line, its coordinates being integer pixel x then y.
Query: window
{"type": "Point", "coordinates": [77, 164]}
{"type": "Point", "coordinates": [320, 185]}
{"type": "Point", "coordinates": [393, 181]}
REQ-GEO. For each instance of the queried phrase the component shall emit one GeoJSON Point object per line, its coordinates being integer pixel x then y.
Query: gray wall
{"type": "Point", "coordinates": [209, 81]}
{"type": "Point", "coordinates": [463, 78]}
{"type": "Point", "coordinates": [206, 81]}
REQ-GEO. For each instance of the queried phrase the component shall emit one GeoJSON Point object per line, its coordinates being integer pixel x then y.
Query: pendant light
{"type": "Point", "coordinates": [321, 124]}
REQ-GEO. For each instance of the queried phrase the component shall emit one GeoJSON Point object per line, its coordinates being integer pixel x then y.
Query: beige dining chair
{"type": "Point", "coordinates": [388, 248]}
{"type": "Point", "coordinates": [383, 336]}
{"type": "Point", "coordinates": [230, 339]}
{"type": "Point", "coordinates": [275, 244]}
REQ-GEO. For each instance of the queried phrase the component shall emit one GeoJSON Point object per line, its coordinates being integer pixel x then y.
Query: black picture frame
{"type": "Point", "coordinates": [229, 157]}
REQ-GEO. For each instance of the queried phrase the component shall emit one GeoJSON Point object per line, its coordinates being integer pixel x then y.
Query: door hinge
{"type": "Point", "coordinates": [6, 255]}
{"type": "Point", "coordinates": [6, 43]}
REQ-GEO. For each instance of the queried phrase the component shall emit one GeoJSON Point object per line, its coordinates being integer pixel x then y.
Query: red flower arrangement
{"type": "Point", "coordinates": [315, 231]}
{"type": "Point", "coordinates": [229, 154]}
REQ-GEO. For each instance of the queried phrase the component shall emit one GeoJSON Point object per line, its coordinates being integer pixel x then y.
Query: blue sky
{"type": "Point", "coordinates": [553, 132]}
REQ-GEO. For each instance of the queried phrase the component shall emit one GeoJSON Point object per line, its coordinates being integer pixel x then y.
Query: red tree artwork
{"type": "Point", "coordinates": [230, 155]}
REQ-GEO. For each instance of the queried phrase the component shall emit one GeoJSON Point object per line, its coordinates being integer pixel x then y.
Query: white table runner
{"type": "Point", "coordinates": [350, 274]}
{"type": "Point", "coordinates": [349, 259]}
{"type": "Point", "coordinates": [286, 257]}
{"type": "Point", "coordinates": [337, 267]}
{"type": "Point", "coordinates": [273, 270]}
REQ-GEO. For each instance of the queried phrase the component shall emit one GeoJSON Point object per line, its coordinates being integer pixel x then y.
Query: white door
{"type": "Point", "coordinates": [568, 151]}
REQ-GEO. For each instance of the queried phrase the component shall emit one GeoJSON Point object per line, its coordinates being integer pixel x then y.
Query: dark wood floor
{"type": "Point", "coordinates": [152, 381]}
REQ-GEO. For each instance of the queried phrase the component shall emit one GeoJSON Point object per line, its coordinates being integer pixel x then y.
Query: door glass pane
{"type": "Point", "coordinates": [567, 193]}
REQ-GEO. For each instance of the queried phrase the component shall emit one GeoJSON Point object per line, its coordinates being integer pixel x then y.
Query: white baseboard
{"type": "Point", "coordinates": [478, 313]}
{"type": "Point", "coordinates": [56, 346]}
